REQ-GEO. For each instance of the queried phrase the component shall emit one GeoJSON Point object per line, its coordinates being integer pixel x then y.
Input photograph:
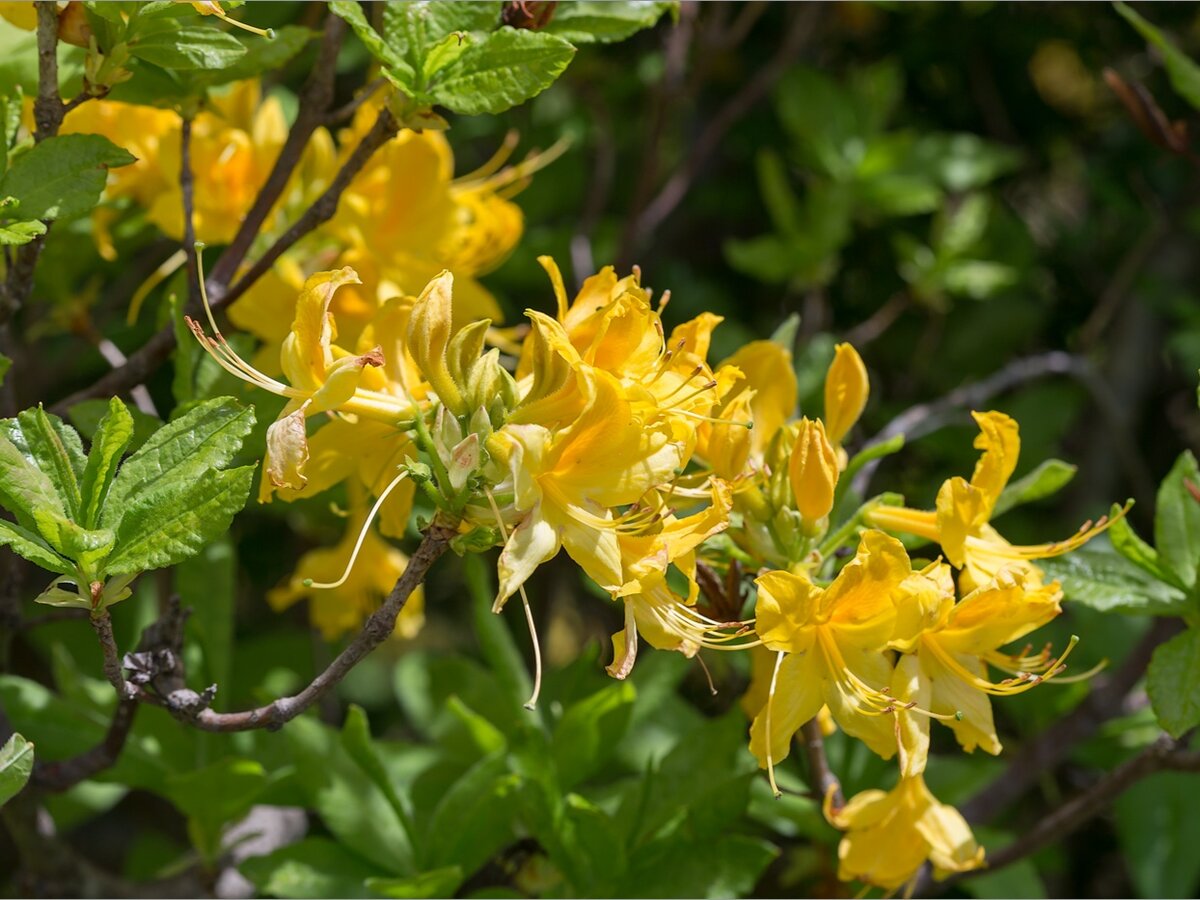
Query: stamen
{"type": "Point", "coordinates": [362, 536]}
{"type": "Point", "coordinates": [770, 705]}
{"type": "Point", "coordinates": [157, 277]}
{"type": "Point", "coordinates": [712, 689]}
{"type": "Point", "coordinates": [531, 703]}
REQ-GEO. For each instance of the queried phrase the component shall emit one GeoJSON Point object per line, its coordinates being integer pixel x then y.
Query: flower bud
{"type": "Point", "coordinates": [813, 469]}
{"type": "Point", "coordinates": [429, 328]}
{"type": "Point", "coordinates": [846, 390]}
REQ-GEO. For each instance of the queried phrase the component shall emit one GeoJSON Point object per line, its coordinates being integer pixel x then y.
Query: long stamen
{"type": "Point", "coordinates": [770, 705]}
{"type": "Point", "coordinates": [362, 536]}
{"type": "Point", "coordinates": [531, 703]}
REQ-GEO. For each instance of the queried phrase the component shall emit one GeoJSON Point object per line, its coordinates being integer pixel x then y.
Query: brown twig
{"type": "Point", "coordinates": [677, 186]}
{"type": "Point", "coordinates": [187, 186]}
{"type": "Point", "coordinates": [879, 321]}
{"type": "Point", "coordinates": [821, 779]}
{"type": "Point", "coordinates": [346, 110]}
{"type": "Point", "coordinates": [48, 115]}
{"type": "Point", "coordinates": [314, 101]}
{"type": "Point", "coordinates": [142, 362]}
{"type": "Point", "coordinates": [102, 625]}
{"type": "Point", "coordinates": [1165, 754]}
{"type": "Point", "coordinates": [61, 775]}
{"type": "Point", "coordinates": [924, 418]}
{"type": "Point", "coordinates": [1053, 745]}
{"type": "Point", "coordinates": [161, 667]}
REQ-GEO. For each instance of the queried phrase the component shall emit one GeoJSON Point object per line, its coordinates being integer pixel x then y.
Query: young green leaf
{"type": "Point", "coordinates": [24, 488]}
{"type": "Point", "coordinates": [167, 525]}
{"type": "Point", "coordinates": [501, 70]}
{"type": "Point", "coordinates": [14, 234]}
{"type": "Point", "coordinates": [356, 740]}
{"type": "Point", "coordinates": [413, 30]}
{"type": "Point", "coordinates": [1177, 524]}
{"type": "Point", "coordinates": [62, 177]}
{"type": "Point", "coordinates": [1173, 683]}
{"type": "Point", "coordinates": [57, 450]}
{"type": "Point", "coordinates": [310, 869]}
{"type": "Point", "coordinates": [182, 451]}
{"type": "Point", "coordinates": [173, 45]}
{"type": "Point", "coordinates": [392, 60]}
{"type": "Point", "coordinates": [33, 547]}
{"type": "Point", "coordinates": [112, 437]}
{"type": "Point", "coordinates": [16, 765]}
{"type": "Point", "coordinates": [85, 546]}
{"type": "Point", "coordinates": [441, 882]}
{"type": "Point", "coordinates": [1048, 478]}
{"type": "Point", "coordinates": [589, 21]}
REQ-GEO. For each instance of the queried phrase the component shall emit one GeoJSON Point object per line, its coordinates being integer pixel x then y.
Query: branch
{"type": "Point", "coordinates": [924, 418]}
{"type": "Point", "coordinates": [187, 185]}
{"type": "Point", "coordinates": [62, 775]}
{"type": "Point", "coordinates": [1165, 754]}
{"type": "Point", "coordinates": [142, 362]}
{"type": "Point", "coordinates": [48, 109]}
{"type": "Point", "coordinates": [102, 625]}
{"type": "Point", "coordinates": [161, 668]}
{"type": "Point", "coordinates": [315, 98]}
{"type": "Point", "coordinates": [1054, 744]}
{"type": "Point", "coordinates": [820, 776]}
{"type": "Point", "coordinates": [711, 137]}
{"type": "Point", "coordinates": [48, 112]}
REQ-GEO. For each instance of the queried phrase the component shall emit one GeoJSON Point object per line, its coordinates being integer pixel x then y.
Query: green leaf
{"type": "Point", "coordinates": [434, 883]}
{"type": "Point", "coordinates": [206, 583]}
{"type": "Point", "coordinates": [413, 30]}
{"type": "Point", "coordinates": [391, 59]}
{"type": "Point", "coordinates": [495, 639]}
{"type": "Point", "coordinates": [349, 804]}
{"type": "Point", "coordinates": [14, 234]}
{"type": "Point", "coordinates": [174, 45]}
{"type": "Point", "coordinates": [589, 21]}
{"type": "Point", "coordinates": [24, 488]}
{"type": "Point", "coordinates": [1048, 478]}
{"type": "Point", "coordinates": [500, 71]}
{"type": "Point", "coordinates": [54, 448]}
{"type": "Point", "coordinates": [589, 730]}
{"type": "Point", "coordinates": [34, 548]}
{"type": "Point", "coordinates": [1127, 542]}
{"type": "Point", "coordinates": [732, 866]}
{"type": "Point", "coordinates": [181, 452]}
{"type": "Point", "coordinates": [16, 765]}
{"type": "Point", "coordinates": [260, 55]}
{"type": "Point", "coordinates": [165, 526]}
{"type": "Point", "coordinates": [1108, 582]}
{"type": "Point", "coordinates": [1158, 823]}
{"type": "Point", "coordinates": [215, 796]}
{"type": "Point", "coordinates": [62, 177]}
{"type": "Point", "coordinates": [1177, 521]}
{"type": "Point", "coordinates": [311, 869]}
{"type": "Point", "coordinates": [86, 416]}
{"type": "Point", "coordinates": [1184, 74]}
{"type": "Point", "coordinates": [1173, 683]}
{"type": "Point", "coordinates": [113, 435]}
{"type": "Point", "coordinates": [473, 818]}
{"type": "Point", "coordinates": [356, 740]}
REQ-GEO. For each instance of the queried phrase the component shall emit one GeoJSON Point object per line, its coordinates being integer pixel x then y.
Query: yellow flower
{"type": "Point", "coordinates": [891, 835]}
{"type": "Point", "coordinates": [831, 644]}
{"type": "Point", "coordinates": [342, 609]}
{"type": "Point", "coordinates": [813, 470]}
{"type": "Point", "coordinates": [959, 640]}
{"type": "Point", "coordinates": [846, 390]}
{"type": "Point", "coordinates": [652, 609]}
{"type": "Point", "coordinates": [565, 485]}
{"type": "Point", "coordinates": [960, 523]}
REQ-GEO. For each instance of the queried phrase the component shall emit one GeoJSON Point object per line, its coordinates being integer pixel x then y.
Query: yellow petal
{"type": "Point", "coordinates": [786, 610]}
{"type": "Point", "coordinates": [287, 454]}
{"type": "Point", "coordinates": [767, 371]}
{"type": "Point", "coordinates": [846, 390]}
{"type": "Point", "coordinates": [429, 330]}
{"type": "Point", "coordinates": [1001, 445]}
{"type": "Point", "coordinates": [306, 353]}
{"type": "Point", "coordinates": [797, 699]}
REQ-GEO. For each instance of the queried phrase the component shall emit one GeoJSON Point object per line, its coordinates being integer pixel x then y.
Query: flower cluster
{"type": "Point", "coordinates": [609, 437]}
